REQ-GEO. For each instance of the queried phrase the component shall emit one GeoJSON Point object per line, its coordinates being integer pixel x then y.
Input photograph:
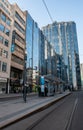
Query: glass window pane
{"type": "Point", "coordinates": [7, 32]}
{"type": "Point", "coordinates": [8, 22]}
{"type": "Point", "coordinates": [4, 67]}
{"type": "Point", "coordinates": [3, 17]}
{"type": "Point", "coordinates": [2, 28]}
{"type": "Point", "coordinates": [6, 43]}
{"type": "Point", "coordinates": [1, 39]}
{"type": "Point", "coordinates": [5, 54]}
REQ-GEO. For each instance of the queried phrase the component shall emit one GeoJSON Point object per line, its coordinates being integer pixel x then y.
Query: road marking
{"type": "Point", "coordinates": [71, 116]}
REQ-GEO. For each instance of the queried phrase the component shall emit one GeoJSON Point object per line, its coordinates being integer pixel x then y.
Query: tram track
{"type": "Point", "coordinates": [68, 125]}
{"type": "Point", "coordinates": [62, 102]}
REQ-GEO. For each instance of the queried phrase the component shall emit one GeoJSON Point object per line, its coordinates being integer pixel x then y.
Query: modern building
{"type": "Point", "coordinates": [5, 45]}
{"type": "Point", "coordinates": [81, 69]}
{"type": "Point", "coordinates": [18, 48]}
{"type": "Point", "coordinates": [48, 64]}
{"type": "Point", "coordinates": [63, 37]}
{"type": "Point", "coordinates": [32, 47]}
{"type": "Point", "coordinates": [73, 55]}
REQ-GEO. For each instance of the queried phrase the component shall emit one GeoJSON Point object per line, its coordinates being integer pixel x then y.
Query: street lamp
{"type": "Point", "coordinates": [24, 77]}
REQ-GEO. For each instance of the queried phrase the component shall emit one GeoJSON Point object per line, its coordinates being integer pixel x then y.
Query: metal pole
{"type": "Point", "coordinates": [24, 82]}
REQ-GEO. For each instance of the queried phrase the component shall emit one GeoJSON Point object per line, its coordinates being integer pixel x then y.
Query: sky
{"type": "Point", "coordinates": [60, 10]}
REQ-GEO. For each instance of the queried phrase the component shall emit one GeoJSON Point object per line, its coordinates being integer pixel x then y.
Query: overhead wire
{"type": "Point", "coordinates": [47, 10]}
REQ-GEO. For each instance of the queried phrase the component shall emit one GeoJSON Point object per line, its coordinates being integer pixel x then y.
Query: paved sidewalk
{"type": "Point", "coordinates": [12, 111]}
{"type": "Point", "coordinates": [12, 95]}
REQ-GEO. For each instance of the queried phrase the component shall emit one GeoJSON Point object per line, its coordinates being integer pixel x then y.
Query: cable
{"type": "Point", "coordinates": [47, 10]}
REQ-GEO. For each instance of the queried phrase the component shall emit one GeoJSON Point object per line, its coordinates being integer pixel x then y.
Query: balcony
{"type": "Point", "coordinates": [16, 65]}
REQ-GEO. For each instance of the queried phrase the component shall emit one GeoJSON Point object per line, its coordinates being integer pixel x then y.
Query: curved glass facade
{"type": "Point", "coordinates": [63, 37]}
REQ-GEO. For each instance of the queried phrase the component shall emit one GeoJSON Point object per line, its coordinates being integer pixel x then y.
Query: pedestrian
{"type": "Point", "coordinates": [39, 91]}
{"type": "Point", "coordinates": [46, 90]}
{"type": "Point", "coordinates": [24, 92]}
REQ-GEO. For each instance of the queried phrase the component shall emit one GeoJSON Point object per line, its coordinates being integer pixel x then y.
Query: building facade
{"type": "Point", "coordinates": [73, 55]}
{"type": "Point", "coordinates": [5, 45]}
{"type": "Point", "coordinates": [63, 37]}
{"type": "Point", "coordinates": [17, 48]}
{"type": "Point", "coordinates": [32, 47]}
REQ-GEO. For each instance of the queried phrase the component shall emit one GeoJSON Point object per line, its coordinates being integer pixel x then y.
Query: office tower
{"type": "Point", "coordinates": [63, 36]}
{"type": "Point", "coordinates": [73, 55]}
{"type": "Point", "coordinates": [32, 47]}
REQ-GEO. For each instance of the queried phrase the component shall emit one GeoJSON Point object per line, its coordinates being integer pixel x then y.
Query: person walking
{"type": "Point", "coordinates": [24, 93]}
{"type": "Point", "coordinates": [39, 91]}
{"type": "Point", "coordinates": [46, 90]}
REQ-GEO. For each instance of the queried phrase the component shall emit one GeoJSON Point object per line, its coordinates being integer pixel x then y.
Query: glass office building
{"type": "Point", "coordinates": [73, 55]}
{"type": "Point", "coordinates": [47, 56]}
{"type": "Point", "coordinates": [32, 47]}
{"type": "Point", "coordinates": [42, 66]}
{"type": "Point", "coordinates": [54, 36]}
{"type": "Point", "coordinates": [29, 39]}
{"type": "Point", "coordinates": [32, 42]}
{"type": "Point", "coordinates": [63, 37]}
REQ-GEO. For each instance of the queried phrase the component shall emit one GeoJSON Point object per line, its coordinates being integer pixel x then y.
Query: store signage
{"type": "Point", "coordinates": [3, 80]}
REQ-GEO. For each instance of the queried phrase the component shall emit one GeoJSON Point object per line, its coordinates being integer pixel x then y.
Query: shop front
{"type": "Point", "coordinates": [3, 85]}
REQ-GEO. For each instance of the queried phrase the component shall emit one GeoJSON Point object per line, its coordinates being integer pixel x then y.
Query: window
{"type": "Point", "coordinates": [17, 60]}
{"type": "Point", "coordinates": [20, 39]}
{"type": "Point", "coordinates": [5, 53]}
{"type": "Point", "coordinates": [1, 39]}
{"type": "Point", "coordinates": [1, 51]}
{"type": "Point", "coordinates": [19, 28]}
{"type": "Point", "coordinates": [19, 18]}
{"type": "Point", "coordinates": [2, 28]}
{"type": "Point", "coordinates": [6, 43]}
{"type": "Point", "coordinates": [7, 32]}
{"type": "Point", "coordinates": [8, 22]}
{"type": "Point", "coordinates": [19, 49]}
{"type": "Point", "coordinates": [4, 67]}
{"type": "Point", "coordinates": [2, 6]}
{"type": "Point", "coordinates": [3, 17]}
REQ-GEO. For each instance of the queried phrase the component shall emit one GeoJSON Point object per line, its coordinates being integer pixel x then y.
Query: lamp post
{"type": "Point", "coordinates": [24, 78]}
